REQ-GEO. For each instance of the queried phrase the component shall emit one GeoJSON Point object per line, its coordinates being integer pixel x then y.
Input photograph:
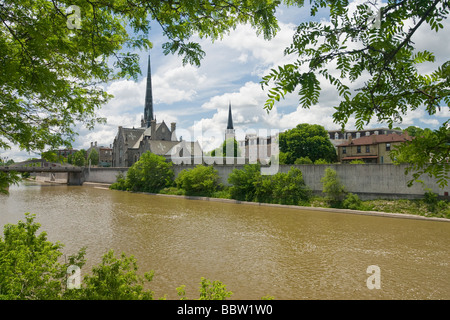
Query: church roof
{"type": "Point", "coordinates": [161, 147]}
{"type": "Point", "coordinates": [132, 135]}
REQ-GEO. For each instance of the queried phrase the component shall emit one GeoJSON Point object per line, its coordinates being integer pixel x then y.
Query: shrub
{"type": "Point", "coordinates": [150, 173]}
{"type": "Point", "coordinates": [116, 279]}
{"type": "Point", "coordinates": [201, 180]}
{"type": "Point", "coordinates": [430, 198]}
{"type": "Point", "coordinates": [358, 161]}
{"type": "Point", "coordinates": [303, 160]}
{"type": "Point", "coordinates": [244, 181]}
{"type": "Point", "coordinates": [120, 184]}
{"type": "Point", "coordinates": [352, 201]}
{"type": "Point", "coordinates": [289, 188]}
{"type": "Point", "coordinates": [29, 263]}
{"type": "Point", "coordinates": [321, 161]}
{"type": "Point", "coordinates": [284, 188]}
{"type": "Point", "coordinates": [332, 187]}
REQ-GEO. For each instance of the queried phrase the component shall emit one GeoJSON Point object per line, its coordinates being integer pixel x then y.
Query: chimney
{"type": "Point", "coordinates": [152, 129]}
{"type": "Point", "coordinates": [95, 143]}
{"type": "Point", "coordinates": [91, 144]}
{"type": "Point", "coordinates": [173, 125]}
{"type": "Point", "coordinates": [350, 138]}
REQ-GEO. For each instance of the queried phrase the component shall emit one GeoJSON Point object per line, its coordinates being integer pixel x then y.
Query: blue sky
{"type": "Point", "coordinates": [197, 98]}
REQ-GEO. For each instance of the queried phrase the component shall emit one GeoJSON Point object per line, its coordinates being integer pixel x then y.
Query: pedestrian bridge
{"type": "Point", "coordinates": [75, 175]}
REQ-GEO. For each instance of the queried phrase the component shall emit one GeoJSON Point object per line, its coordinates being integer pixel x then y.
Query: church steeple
{"type": "Point", "coordinates": [229, 133]}
{"type": "Point", "coordinates": [148, 111]}
{"type": "Point", "coordinates": [230, 118]}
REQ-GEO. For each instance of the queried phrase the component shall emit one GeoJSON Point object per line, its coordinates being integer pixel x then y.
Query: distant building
{"type": "Point", "coordinates": [371, 148]}
{"type": "Point", "coordinates": [258, 148]}
{"type": "Point", "coordinates": [104, 154]}
{"type": "Point", "coordinates": [338, 137]}
{"type": "Point", "coordinates": [65, 152]}
{"type": "Point", "coordinates": [130, 143]}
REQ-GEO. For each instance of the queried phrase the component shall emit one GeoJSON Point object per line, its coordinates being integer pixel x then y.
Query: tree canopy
{"type": "Point", "coordinates": [371, 47]}
{"type": "Point", "coordinates": [56, 56]}
{"type": "Point", "coordinates": [306, 141]}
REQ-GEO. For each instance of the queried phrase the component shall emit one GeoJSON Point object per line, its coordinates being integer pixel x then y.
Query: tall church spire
{"type": "Point", "coordinates": [230, 118]}
{"type": "Point", "coordinates": [229, 133]}
{"type": "Point", "coordinates": [148, 111]}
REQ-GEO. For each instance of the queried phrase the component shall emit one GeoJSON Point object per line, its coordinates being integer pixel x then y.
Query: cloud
{"type": "Point", "coordinates": [176, 84]}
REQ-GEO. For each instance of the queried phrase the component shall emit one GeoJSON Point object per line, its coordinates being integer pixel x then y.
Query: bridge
{"type": "Point", "coordinates": [75, 175]}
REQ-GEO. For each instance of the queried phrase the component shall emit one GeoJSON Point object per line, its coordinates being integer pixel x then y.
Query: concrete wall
{"type": "Point", "coordinates": [370, 181]}
{"type": "Point", "coordinates": [367, 180]}
{"type": "Point", "coordinates": [103, 175]}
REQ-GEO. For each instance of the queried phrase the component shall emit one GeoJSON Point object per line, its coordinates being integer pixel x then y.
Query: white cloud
{"type": "Point", "coordinates": [176, 84]}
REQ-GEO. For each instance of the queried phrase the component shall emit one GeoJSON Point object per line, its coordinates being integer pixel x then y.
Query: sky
{"type": "Point", "coordinates": [197, 98]}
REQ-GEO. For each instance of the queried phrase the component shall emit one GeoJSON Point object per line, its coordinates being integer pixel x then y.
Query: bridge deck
{"type": "Point", "coordinates": [41, 169]}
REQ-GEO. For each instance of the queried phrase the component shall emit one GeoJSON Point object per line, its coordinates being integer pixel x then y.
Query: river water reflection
{"type": "Point", "coordinates": [254, 250]}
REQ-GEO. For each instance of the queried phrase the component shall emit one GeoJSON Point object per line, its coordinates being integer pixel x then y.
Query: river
{"type": "Point", "coordinates": [255, 250]}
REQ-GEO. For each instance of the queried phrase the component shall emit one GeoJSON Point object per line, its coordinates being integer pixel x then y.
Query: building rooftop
{"type": "Point", "coordinates": [376, 139]}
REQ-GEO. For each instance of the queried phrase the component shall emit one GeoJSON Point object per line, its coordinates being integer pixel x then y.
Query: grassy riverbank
{"type": "Point", "coordinates": [154, 175]}
{"type": "Point", "coordinates": [420, 207]}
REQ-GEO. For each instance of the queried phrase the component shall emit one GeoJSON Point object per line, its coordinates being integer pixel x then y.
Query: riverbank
{"type": "Point", "coordinates": [402, 208]}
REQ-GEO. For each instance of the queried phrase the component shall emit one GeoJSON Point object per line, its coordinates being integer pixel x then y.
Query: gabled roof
{"type": "Point", "coordinates": [376, 139]}
{"type": "Point", "coordinates": [131, 135]}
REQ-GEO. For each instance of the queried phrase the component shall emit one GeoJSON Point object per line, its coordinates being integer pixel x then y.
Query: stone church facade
{"type": "Point", "coordinates": [130, 143]}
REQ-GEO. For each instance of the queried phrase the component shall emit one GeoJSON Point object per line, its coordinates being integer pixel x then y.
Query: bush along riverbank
{"type": "Point", "coordinates": [153, 174]}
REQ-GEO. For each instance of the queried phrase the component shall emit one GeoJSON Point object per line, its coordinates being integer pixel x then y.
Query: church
{"type": "Point", "coordinates": [130, 143]}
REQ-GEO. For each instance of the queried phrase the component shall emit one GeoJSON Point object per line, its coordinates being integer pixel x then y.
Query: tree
{"type": "Point", "coordinates": [115, 279]}
{"type": "Point", "coordinates": [30, 267]}
{"type": "Point", "coordinates": [150, 173]}
{"type": "Point", "coordinates": [201, 180]}
{"type": "Point", "coordinates": [284, 188]}
{"type": "Point", "coordinates": [377, 54]}
{"type": "Point", "coordinates": [231, 143]}
{"type": "Point", "coordinates": [414, 131]}
{"type": "Point", "coordinates": [288, 188]}
{"type": "Point", "coordinates": [303, 160]}
{"type": "Point", "coordinates": [428, 153]}
{"type": "Point", "coordinates": [79, 158]}
{"type": "Point", "coordinates": [243, 182]}
{"type": "Point", "coordinates": [93, 157]}
{"type": "Point", "coordinates": [333, 187]}
{"type": "Point", "coordinates": [307, 141]}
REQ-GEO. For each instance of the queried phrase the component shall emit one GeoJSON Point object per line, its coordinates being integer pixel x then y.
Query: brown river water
{"type": "Point", "coordinates": [255, 250]}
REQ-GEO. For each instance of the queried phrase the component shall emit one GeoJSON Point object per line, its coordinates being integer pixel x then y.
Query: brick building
{"type": "Point", "coordinates": [371, 149]}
